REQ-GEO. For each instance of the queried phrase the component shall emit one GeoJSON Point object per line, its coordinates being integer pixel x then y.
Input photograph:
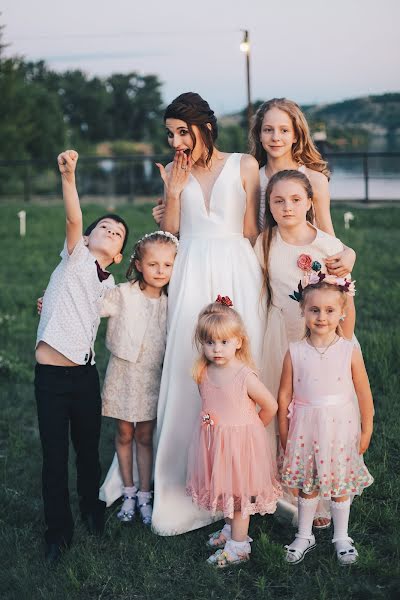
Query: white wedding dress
{"type": "Point", "coordinates": [213, 258]}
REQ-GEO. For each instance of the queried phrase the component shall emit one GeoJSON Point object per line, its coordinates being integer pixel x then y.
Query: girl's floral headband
{"type": "Point", "coordinates": [166, 234]}
{"type": "Point", "coordinates": [313, 275]}
{"type": "Point", "coordinates": [345, 285]}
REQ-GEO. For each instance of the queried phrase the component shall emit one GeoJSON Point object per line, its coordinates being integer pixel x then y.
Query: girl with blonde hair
{"type": "Point", "coordinates": [136, 338]}
{"type": "Point", "coordinates": [319, 422]}
{"type": "Point", "coordinates": [231, 466]}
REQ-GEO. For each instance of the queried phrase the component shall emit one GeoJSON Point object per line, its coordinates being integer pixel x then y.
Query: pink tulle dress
{"type": "Point", "coordinates": [324, 432]}
{"type": "Point", "coordinates": [231, 466]}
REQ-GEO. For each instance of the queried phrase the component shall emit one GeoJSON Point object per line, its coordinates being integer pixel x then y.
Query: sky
{"type": "Point", "coordinates": [312, 51]}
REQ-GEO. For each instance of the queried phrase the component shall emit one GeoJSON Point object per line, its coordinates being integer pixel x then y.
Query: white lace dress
{"type": "Point", "coordinates": [130, 390]}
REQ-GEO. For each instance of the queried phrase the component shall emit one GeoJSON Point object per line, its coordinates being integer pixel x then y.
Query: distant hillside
{"type": "Point", "coordinates": [350, 124]}
{"type": "Point", "coordinates": [377, 114]}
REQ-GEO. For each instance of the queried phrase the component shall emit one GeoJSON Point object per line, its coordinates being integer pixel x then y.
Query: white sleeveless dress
{"type": "Point", "coordinates": [213, 258]}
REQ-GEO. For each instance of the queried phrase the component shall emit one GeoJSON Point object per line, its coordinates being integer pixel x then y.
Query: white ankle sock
{"type": "Point", "coordinates": [340, 517]}
{"type": "Point", "coordinates": [226, 531]}
{"type": "Point", "coordinates": [307, 508]}
{"type": "Point", "coordinates": [144, 498]}
{"type": "Point", "coordinates": [237, 549]}
{"type": "Point", "coordinates": [129, 503]}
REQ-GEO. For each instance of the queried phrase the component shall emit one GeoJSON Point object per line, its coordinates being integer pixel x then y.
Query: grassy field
{"type": "Point", "coordinates": [132, 563]}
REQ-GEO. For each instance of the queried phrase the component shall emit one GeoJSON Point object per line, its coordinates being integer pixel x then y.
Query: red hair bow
{"type": "Point", "coordinates": [224, 300]}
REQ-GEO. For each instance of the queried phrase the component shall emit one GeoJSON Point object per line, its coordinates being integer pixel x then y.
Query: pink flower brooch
{"type": "Point", "coordinates": [207, 422]}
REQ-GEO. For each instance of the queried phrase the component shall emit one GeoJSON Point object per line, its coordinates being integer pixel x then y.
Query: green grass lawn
{"type": "Point", "coordinates": [130, 562]}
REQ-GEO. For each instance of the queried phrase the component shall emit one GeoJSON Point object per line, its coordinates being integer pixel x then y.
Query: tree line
{"type": "Point", "coordinates": [43, 110]}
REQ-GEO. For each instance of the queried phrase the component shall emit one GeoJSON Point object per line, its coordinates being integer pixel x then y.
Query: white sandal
{"type": "Point", "coordinates": [127, 516]}
{"type": "Point", "coordinates": [295, 555]}
{"type": "Point", "coordinates": [345, 551]}
{"type": "Point", "coordinates": [145, 506]}
{"type": "Point", "coordinates": [325, 525]}
{"type": "Point", "coordinates": [231, 555]}
{"type": "Point", "coordinates": [217, 540]}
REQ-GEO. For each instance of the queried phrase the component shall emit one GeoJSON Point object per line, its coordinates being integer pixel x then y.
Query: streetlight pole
{"type": "Point", "coordinates": [245, 47]}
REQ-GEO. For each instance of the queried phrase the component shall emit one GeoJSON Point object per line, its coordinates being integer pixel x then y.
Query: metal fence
{"type": "Point", "coordinates": [356, 176]}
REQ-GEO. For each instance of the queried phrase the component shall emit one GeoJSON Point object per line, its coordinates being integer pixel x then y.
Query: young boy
{"type": "Point", "coordinates": [66, 379]}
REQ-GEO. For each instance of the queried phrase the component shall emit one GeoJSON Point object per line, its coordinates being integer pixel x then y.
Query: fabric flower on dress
{"type": "Point", "coordinates": [304, 262]}
{"type": "Point", "coordinates": [316, 266]}
{"type": "Point", "coordinates": [206, 419]}
{"type": "Point", "coordinates": [207, 422]}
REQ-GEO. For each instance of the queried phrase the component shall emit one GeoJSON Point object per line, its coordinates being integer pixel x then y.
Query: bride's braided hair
{"type": "Point", "coordinates": [193, 110]}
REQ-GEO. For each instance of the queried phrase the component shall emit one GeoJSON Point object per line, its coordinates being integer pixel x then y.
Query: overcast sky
{"type": "Point", "coordinates": [312, 51]}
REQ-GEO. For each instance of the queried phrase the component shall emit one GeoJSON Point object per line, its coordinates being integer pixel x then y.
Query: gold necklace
{"type": "Point", "coordinates": [321, 354]}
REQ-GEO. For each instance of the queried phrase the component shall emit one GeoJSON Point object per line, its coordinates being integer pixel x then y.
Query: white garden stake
{"type": "Point", "coordinates": [348, 216]}
{"type": "Point", "coordinates": [22, 222]}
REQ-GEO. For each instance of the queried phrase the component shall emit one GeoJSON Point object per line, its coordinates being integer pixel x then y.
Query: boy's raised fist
{"type": "Point", "coordinates": [67, 162]}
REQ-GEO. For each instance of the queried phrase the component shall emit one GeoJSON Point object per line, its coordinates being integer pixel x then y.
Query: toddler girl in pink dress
{"type": "Point", "coordinates": [319, 423]}
{"type": "Point", "coordinates": [231, 467]}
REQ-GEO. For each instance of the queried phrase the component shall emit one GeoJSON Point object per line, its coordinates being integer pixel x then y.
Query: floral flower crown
{"type": "Point", "coordinates": [313, 275]}
{"type": "Point", "coordinates": [166, 234]}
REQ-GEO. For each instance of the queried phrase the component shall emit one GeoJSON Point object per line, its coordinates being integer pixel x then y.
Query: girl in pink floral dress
{"type": "Point", "coordinates": [231, 468]}
{"type": "Point", "coordinates": [319, 423]}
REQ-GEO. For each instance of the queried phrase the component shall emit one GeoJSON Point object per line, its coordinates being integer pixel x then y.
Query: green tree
{"type": "Point", "coordinates": [32, 124]}
{"type": "Point", "coordinates": [136, 107]}
{"type": "Point", "coordinates": [85, 103]}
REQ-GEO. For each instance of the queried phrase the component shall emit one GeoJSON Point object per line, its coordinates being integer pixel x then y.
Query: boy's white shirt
{"type": "Point", "coordinates": [70, 314]}
{"type": "Point", "coordinates": [129, 311]}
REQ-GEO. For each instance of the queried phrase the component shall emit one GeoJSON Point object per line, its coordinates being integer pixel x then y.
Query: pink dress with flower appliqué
{"type": "Point", "coordinates": [231, 466]}
{"type": "Point", "coordinates": [324, 432]}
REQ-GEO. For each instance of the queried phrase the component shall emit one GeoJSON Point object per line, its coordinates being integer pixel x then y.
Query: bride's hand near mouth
{"type": "Point", "coordinates": [176, 174]}
{"type": "Point", "coordinates": [175, 177]}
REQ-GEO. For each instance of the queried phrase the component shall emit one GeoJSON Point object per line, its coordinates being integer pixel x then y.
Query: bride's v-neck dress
{"type": "Point", "coordinates": [213, 258]}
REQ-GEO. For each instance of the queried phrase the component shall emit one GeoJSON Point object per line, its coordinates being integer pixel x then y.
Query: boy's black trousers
{"type": "Point", "coordinates": [68, 402]}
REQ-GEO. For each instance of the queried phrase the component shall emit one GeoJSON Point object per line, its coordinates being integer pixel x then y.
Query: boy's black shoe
{"type": "Point", "coordinates": [94, 522]}
{"type": "Point", "coordinates": [53, 553]}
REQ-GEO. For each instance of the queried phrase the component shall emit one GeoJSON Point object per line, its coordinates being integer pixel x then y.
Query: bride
{"type": "Point", "coordinates": [211, 198]}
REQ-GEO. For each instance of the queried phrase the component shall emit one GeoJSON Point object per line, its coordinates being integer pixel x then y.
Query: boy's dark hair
{"type": "Point", "coordinates": [113, 217]}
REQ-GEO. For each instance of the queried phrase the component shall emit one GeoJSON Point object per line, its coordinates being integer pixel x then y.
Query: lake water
{"type": "Point", "coordinates": [348, 182]}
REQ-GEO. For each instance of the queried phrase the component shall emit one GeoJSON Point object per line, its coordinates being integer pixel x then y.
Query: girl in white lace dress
{"type": "Point", "coordinates": [136, 337]}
